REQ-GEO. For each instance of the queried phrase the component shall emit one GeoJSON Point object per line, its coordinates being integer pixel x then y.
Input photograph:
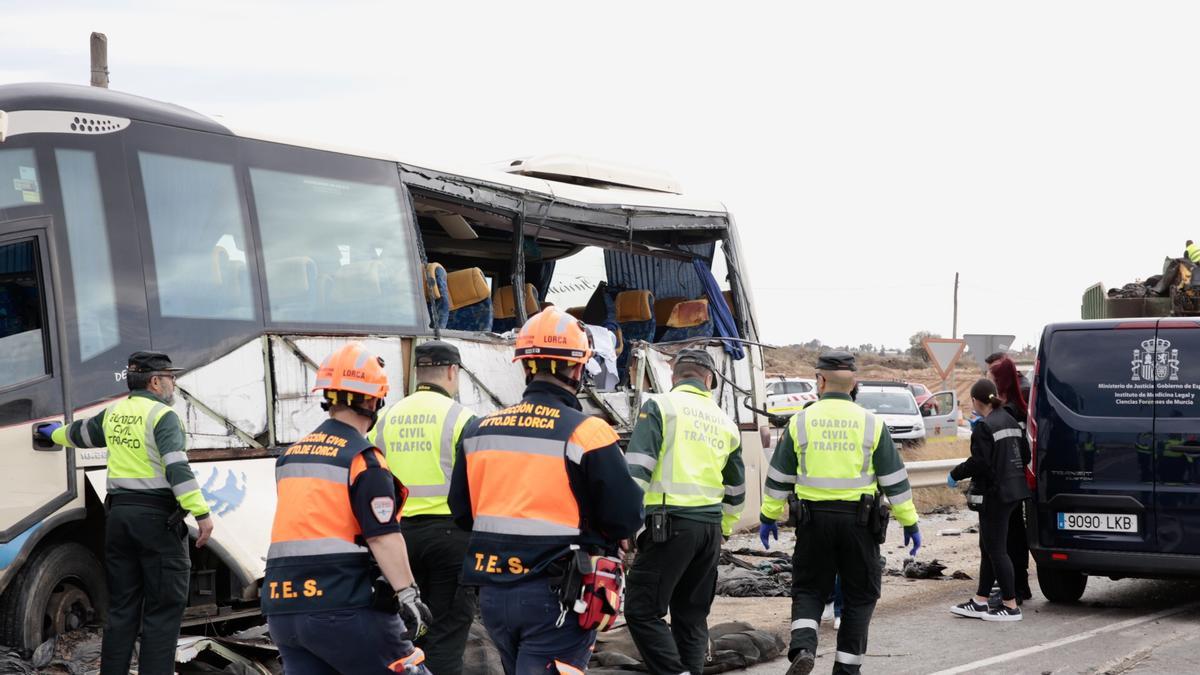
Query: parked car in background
{"type": "Point", "coordinates": [894, 403]}
{"type": "Point", "coordinates": [919, 391]}
{"type": "Point", "coordinates": [788, 395]}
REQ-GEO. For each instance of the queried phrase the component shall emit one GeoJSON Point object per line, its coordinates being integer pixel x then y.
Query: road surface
{"type": "Point", "coordinates": [1131, 626]}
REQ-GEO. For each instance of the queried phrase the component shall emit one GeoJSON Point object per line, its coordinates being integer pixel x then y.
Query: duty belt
{"type": "Point", "coordinates": [153, 501]}
{"type": "Point", "coordinates": [833, 506]}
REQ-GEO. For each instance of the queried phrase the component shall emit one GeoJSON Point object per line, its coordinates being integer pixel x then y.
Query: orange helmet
{"type": "Point", "coordinates": [353, 370]}
{"type": "Point", "coordinates": [554, 334]}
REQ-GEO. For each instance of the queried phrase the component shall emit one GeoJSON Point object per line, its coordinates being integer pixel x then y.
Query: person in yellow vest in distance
{"type": "Point", "coordinates": [421, 435]}
{"type": "Point", "coordinates": [686, 453]}
{"type": "Point", "coordinates": [836, 456]}
{"type": "Point", "coordinates": [1192, 251]}
{"type": "Point", "coordinates": [150, 489]}
{"type": "Point", "coordinates": [338, 592]}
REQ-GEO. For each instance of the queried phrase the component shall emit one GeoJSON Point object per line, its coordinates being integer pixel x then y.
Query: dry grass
{"type": "Point", "coordinates": [927, 499]}
{"type": "Point", "coordinates": [948, 449]}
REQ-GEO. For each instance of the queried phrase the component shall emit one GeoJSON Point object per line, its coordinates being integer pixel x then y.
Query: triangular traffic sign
{"type": "Point", "coordinates": [943, 353]}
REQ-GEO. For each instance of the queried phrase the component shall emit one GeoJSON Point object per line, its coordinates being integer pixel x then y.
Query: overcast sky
{"type": "Point", "coordinates": [867, 150]}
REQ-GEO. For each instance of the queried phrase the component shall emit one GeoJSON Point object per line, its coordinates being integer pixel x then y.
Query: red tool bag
{"type": "Point", "coordinates": [601, 594]}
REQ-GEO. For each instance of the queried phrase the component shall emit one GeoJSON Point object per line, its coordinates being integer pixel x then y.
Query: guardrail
{"type": "Point", "coordinates": [930, 473]}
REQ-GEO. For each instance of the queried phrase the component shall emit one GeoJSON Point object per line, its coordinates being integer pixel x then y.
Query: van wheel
{"type": "Point", "coordinates": [1061, 585]}
{"type": "Point", "coordinates": [60, 588]}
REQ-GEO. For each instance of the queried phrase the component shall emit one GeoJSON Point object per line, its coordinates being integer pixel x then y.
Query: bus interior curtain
{"type": "Point", "coordinates": [664, 277]}
{"type": "Point", "coordinates": [722, 316]}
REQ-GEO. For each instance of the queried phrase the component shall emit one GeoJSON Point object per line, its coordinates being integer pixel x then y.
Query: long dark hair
{"type": "Point", "coordinates": [1008, 382]}
{"type": "Point", "coordinates": [984, 391]}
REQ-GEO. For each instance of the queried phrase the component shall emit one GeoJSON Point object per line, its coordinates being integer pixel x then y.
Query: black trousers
{"type": "Point", "coordinates": [680, 576]}
{"type": "Point", "coordinates": [829, 545]}
{"type": "Point", "coordinates": [436, 548]}
{"type": "Point", "coordinates": [148, 571]}
{"type": "Point", "coordinates": [994, 564]}
{"type": "Point", "coordinates": [1018, 549]}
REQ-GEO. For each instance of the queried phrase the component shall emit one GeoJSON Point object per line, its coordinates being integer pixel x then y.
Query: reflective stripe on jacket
{"type": "Point", "coordinates": [419, 435]}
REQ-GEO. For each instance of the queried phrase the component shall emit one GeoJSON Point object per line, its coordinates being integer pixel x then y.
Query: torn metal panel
{"type": "Point", "coordinates": [241, 494]}
{"type": "Point", "coordinates": [491, 362]}
{"type": "Point", "coordinates": [212, 653]}
{"type": "Point", "coordinates": [232, 388]}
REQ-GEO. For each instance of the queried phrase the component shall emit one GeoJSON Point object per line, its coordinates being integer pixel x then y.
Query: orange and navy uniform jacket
{"type": "Point", "coordinates": [335, 491]}
{"type": "Point", "coordinates": [533, 479]}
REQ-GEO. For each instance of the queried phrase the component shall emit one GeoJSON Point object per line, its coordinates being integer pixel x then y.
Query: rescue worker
{"type": "Point", "coordinates": [834, 455]}
{"type": "Point", "coordinates": [687, 454]}
{"type": "Point", "coordinates": [534, 480]}
{"type": "Point", "coordinates": [150, 489]}
{"type": "Point", "coordinates": [1192, 251]}
{"type": "Point", "coordinates": [421, 434]}
{"type": "Point", "coordinates": [336, 529]}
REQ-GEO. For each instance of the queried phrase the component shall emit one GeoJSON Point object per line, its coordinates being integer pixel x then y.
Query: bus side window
{"type": "Point", "coordinates": [91, 262]}
{"type": "Point", "coordinates": [198, 238]}
{"type": "Point", "coordinates": [18, 179]}
{"type": "Point", "coordinates": [22, 342]}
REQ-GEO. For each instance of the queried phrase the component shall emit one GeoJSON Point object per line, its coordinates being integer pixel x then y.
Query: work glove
{"type": "Point", "coordinates": [43, 431]}
{"type": "Point", "coordinates": [415, 615]}
{"type": "Point", "coordinates": [912, 535]}
{"type": "Point", "coordinates": [764, 534]}
{"type": "Point", "coordinates": [950, 482]}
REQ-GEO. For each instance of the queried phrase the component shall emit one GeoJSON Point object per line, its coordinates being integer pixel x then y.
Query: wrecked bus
{"type": "Point", "coordinates": [128, 224]}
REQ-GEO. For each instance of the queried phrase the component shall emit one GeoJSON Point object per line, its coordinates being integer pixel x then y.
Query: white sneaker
{"type": "Point", "coordinates": [837, 622]}
{"type": "Point", "coordinates": [1005, 613]}
{"type": "Point", "coordinates": [970, 609]}
{"type": "Point", "coordinates": [827, 615]}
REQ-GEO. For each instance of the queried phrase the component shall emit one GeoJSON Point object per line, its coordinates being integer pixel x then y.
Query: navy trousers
{"type": "Point", "coordinates": [520, 619]}
{"type": "Point", "coordinates": [341, 642]}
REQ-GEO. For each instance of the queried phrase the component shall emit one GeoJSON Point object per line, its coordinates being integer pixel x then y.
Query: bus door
{"type": "Point", "coordinates": [35, 479]}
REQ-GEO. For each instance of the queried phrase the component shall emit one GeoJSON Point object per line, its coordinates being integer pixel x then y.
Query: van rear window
{"type": "Point", "coordinates": [1100, 373]}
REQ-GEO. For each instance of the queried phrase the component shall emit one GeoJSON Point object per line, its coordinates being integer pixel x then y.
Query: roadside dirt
{"type": "Point", "coordinates": [959, 553]}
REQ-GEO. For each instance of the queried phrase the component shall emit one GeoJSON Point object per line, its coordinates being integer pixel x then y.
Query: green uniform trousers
{"type": "Point", "coordinates": [148, 572]}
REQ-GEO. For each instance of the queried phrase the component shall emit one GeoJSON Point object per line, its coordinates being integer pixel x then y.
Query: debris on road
{"type": "Point", "coordinates": [74, 653]}
{"type": "Point", "coordinates": [767, 579]}
{"type": "Point", "coordinates": [931, 569]}
{"type": "Point", "coordinates": [735, 645]}
{"type": "Point", "coordinates": [960, 575]}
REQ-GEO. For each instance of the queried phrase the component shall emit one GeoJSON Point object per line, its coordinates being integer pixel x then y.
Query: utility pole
{"type": "Point", "coordinates": [99, 60]}
{"type": "Point", "coordinates": [954, 329]}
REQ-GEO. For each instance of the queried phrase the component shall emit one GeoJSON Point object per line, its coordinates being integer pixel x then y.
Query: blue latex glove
{"type": "Point", "coordinates": [44, 430]}
{"type": "Point", "coordinates": [764, 534]}
{"type": "Point", "coordinates": [950, 482]}
{"type": "Point", "coordinates": [912, 535]}
{"type": "Point", "coordinates": [975, 417]}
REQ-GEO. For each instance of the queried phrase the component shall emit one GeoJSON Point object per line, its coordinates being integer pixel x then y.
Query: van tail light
{"type": "Point", "coordinates": [1058, 556]}
{"type": "Point", "coordinates": [1032, 429]}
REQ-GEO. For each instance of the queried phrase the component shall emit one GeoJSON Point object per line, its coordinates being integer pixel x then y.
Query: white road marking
{"type": "Point", "coordinates": [1078, 637]}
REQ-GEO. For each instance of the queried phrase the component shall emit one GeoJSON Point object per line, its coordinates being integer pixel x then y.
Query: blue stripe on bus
{"type": "Point", "coordinates": [10, 551]}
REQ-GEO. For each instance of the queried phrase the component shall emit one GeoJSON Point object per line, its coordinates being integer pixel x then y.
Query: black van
{"type": "Point", "coordinates": [1115, 432]}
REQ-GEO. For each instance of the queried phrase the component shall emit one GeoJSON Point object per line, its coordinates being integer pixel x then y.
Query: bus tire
{"type": "Point", "coordinates": [1061, 585]}
{"type": "Point", "coordinates": [60, 588]}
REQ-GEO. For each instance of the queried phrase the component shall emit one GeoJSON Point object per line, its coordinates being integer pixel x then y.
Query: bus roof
{"type": "Point", "coordinates": [608, 184]}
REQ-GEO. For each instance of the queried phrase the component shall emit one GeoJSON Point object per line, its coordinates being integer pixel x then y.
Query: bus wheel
{"type": "Point", "coordinates": [60, 588]}
{"type": "Point", "coordinates": [1061, 585]}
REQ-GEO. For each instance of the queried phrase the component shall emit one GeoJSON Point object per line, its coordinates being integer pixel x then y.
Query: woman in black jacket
{"type": "Point", "coordinates": [1008, 387]}
{"type": "Point", "coordinates": [997, 487]}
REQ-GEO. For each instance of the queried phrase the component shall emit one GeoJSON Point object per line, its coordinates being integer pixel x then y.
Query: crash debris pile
{"type": "Point", "coordinates": [74, 653]}
{"type": "Point", "coordinates": [769, 578]}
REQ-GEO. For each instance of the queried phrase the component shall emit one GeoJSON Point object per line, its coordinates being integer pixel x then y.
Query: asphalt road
{"type": "Point", "coordinates": [1127, 626]}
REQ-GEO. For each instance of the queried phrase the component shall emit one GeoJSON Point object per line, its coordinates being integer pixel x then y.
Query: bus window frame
{"type": "Point", "coordinates": [270, 156]}
{"type": "Point", "coordinates": [97, 380]}
{"type": "Point", "coordinates": [38, 229]}
{"type": "Point", "coordinates": [191, 341]}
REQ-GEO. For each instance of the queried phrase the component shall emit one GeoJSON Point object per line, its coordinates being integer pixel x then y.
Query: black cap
{"type": "Point", "coordinates": [436, 353]}
{"type": "Point", "coordinates": [151, 362]}
{"type": "Point", "coordinates": [836, 360]}
{"type": "Point", "coordinates": [699, 357]}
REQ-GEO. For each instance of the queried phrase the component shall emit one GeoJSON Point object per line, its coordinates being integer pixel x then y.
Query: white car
{"type": "Point", "coordinates": [787, 396]}
{"type": "Point", "coordinates": [897, 407]}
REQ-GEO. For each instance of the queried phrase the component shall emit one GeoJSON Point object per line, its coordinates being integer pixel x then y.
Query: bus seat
{"type": "Point", "coordinates": [358, 283]}
{"type": "Point", "coordinates": [504, 307]}
{"type": "Point", "coordinates": [229, 275]}
{"type": "Point", "coordinates": [470, 300]}
{"type": "Point", "coordinates": [635, 316]}
{"type": "Point", "coordinates": [577, 312]}
{"type": "Point", "coordinates": [292, 288]}
{"type": "Point", "coordinates": [728, 295]}
{"type": "Point", "coordinates": [689, 319]}
{"type": "Point", "coordinates": [437, 293]}
{"type": "Point", "coordinates": [662, 312]}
